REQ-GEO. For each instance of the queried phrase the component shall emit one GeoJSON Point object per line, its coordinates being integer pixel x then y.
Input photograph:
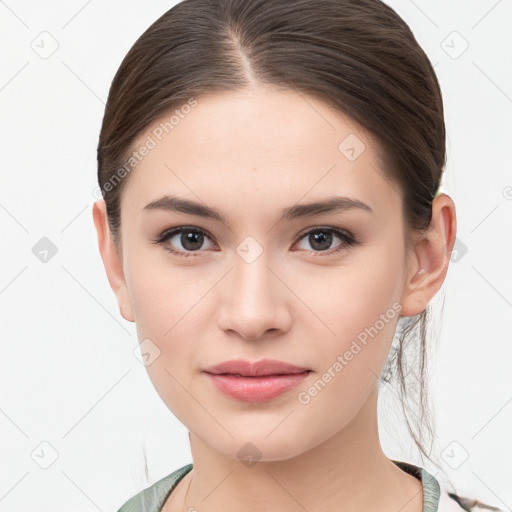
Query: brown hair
{"type": "Point", "coordinates": [357, 56]}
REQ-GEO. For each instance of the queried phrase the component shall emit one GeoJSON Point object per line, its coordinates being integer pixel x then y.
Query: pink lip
{"type": "Point", "coordinates": [256, 389]}
{"type": "Point", "coordinates": [256, 369]}
{"type": "Point", "coordinates": [255, 382]}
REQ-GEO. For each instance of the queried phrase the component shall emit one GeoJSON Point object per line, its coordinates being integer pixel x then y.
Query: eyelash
{"type": "Point", "coordinates": [348, 240]}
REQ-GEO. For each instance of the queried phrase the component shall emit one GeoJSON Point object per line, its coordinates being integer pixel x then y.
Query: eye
{"type": "Point", "coordinates": [321, 238]}
{"type": "Point", "coordinates": [191, 239]}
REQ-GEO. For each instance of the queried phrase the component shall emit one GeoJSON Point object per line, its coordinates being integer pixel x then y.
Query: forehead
{"type": "Point", "coordinates": [254, 147]}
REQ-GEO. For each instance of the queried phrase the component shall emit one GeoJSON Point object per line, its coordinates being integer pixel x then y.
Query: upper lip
{"type": "Point", "coordinates": [256, 369]}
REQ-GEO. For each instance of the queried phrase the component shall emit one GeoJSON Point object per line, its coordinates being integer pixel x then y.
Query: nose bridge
{"type": "Point", "coordinates": [254, 302]}
{"type": "Point", "coordinates": [253, 286]}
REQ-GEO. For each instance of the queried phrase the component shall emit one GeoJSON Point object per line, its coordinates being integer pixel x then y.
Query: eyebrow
{"type": "Point", "coordinates": [332, 204]}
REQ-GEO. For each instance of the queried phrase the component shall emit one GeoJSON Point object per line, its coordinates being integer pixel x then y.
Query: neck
{"type": "Point", "coordinates": [349, 467]}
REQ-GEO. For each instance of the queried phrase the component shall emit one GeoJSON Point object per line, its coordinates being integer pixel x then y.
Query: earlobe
{"type": "Point", "coordinates": [112, 260]}
{"type": "Point", "coordinates": [429, 261]}
{"type": "Point", "coordinates": [127, 312]}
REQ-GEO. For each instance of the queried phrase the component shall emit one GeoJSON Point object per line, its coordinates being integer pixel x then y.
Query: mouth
{"type": "Point", "coordinates": [262, 368]}
{"type": "Point", "coordinates": [259, 388]}
{"type": "Point", "coordinates": [259, 376]}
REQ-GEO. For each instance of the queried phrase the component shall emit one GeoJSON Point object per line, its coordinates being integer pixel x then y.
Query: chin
{"type": "Point", "coordinates": [250, 449]}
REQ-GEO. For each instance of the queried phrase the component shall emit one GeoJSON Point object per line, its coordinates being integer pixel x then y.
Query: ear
{"type": "Point", "coordinates": [428, 261]}
{"type": "Point", "coordinates": [112, 260]}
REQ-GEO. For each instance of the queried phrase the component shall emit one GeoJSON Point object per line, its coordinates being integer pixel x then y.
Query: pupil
{"type": "Point", "coordinates": [321, 238]}
{"type": "Point", "coordinates": [191, 240]}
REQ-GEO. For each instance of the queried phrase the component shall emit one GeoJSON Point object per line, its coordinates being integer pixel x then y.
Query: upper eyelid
{"type": "Point", "coordinates": [327, 228]}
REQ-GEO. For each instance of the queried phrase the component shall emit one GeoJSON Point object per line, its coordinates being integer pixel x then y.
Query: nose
{"type": "Point", "coordinates": [255, 301]}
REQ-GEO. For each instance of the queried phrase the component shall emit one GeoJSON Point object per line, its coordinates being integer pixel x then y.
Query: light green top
{"type": "Point", "coordinates": [152, 498]}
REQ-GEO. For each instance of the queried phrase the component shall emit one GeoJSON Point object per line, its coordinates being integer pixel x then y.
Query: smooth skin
{"type": "Point", "coordinates": [249, 155]}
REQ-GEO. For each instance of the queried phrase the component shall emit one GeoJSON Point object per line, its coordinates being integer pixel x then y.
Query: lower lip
{"type": "Point", "coordinates": [256, 389]}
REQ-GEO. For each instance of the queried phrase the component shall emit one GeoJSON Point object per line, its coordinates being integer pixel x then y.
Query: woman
{"type": "Point", "coordinates": [270, 173]}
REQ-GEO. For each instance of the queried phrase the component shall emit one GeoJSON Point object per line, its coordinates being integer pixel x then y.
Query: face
{"type": "Point", "coordinates": [319, 291]}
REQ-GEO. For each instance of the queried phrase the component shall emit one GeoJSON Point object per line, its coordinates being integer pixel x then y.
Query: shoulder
{"type": "Point", "coordinates": [439, 495]}
{"type": "Point", "coordinates": [152, 498]}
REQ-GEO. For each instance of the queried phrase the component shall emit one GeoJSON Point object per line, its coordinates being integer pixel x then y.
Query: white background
{"type": "Point", "coordinates": [69, 378]}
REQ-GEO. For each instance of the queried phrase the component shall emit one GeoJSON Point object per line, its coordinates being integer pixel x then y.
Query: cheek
{"type": "Point", "coordinates": [165, 305]}
{"type": "Point", "coordinates": [163, 294]}
{"type": "Point", "coordinates": [356, 309]}
{"type": "Point", "coordinates": [168, 301]}
{"type": "Point", "coordinates": [353, 296]}
{"type": "Point", "coordinates": [359, 303]}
